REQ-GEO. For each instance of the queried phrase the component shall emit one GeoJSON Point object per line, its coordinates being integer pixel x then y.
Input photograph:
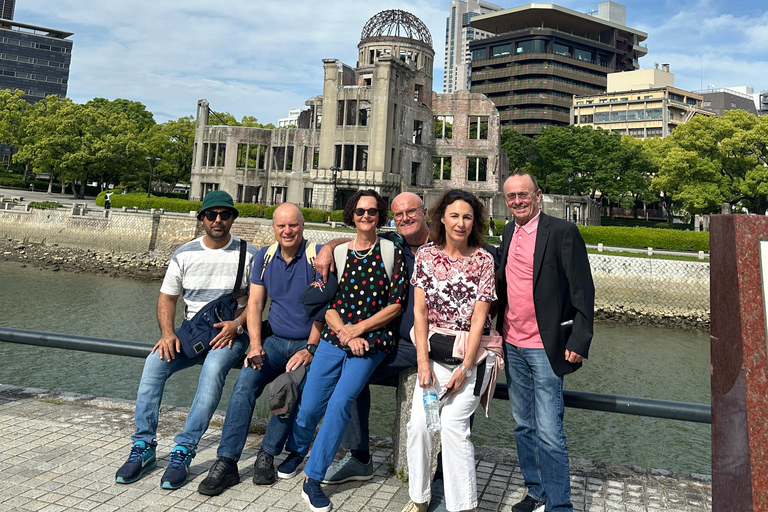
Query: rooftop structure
{"type": "Point", "coordinates": [7, 8]}
{"type": "Point", "coordinates": [543, 54]}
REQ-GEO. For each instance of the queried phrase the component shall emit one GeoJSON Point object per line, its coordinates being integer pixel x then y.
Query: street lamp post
{"type": "Point", "coordinates": [152, 162]}
{"type": "Point", "coordinates": [568, 206]}
{"type": "Point", "coordinates": [335, 171]}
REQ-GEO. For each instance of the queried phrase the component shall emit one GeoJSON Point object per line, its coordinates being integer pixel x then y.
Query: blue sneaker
{"type": "Point", "coordinates": [349, 468]}
{"type": "Point", "coordinates": [140, 461]}
{"type": "Point", "coordinates": [314, 495]}
{"type": "Point", "coordinates": [176, 473]}
{"type": "Point", "coordinates": [290, 466]}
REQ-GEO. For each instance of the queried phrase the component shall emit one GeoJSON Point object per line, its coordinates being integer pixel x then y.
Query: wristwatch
{"type": "Point", "coordinates": [240, 329]}
{"type": "Point", "coordinates": [467, 371]}
{"type": "Point", "coordinates": [311, 348]}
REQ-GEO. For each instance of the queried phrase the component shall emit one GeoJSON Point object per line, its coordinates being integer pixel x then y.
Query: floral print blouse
{"type": "Point", "coordinates": [453, 285]}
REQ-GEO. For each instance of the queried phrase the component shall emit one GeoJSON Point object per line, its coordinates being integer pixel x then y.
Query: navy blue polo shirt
{"type": "Point", "coordinates": [285, 283]}
{"type": "Point", "coordinates": [409, 253]}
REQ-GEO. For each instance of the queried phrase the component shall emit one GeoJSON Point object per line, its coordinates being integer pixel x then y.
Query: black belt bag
{"type": "Point", "coordinates": [441, 351]}
{"type": "Point", "coordinates": [195, 335]}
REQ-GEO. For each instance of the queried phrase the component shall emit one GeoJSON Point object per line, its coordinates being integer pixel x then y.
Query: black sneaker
{"type": "Point", "coordinates": [318, 501]}
{"type": "Point", "coordinates": [223, 474]}
{"type": "Point", "coordinates": [529, 504]}
{"type": "Point", "coordinates": [140, 461]}
{"type": "Point", "coordinates": [290, 466]}
{"type": "Point", "coordinates": [264, 469]}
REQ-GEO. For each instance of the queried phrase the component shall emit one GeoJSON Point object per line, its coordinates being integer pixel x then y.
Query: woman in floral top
{"type": "Point", "coordinates": [358, 335]}
{"type": "Point", "coordinates": [453, 286]}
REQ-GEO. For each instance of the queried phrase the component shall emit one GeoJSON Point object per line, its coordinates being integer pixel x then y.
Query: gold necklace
{"type": "Point", "coordinates": [359, 255]}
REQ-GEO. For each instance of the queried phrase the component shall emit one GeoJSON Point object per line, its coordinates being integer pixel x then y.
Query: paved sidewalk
{"type": "Point", "coordinates": [60, 452]}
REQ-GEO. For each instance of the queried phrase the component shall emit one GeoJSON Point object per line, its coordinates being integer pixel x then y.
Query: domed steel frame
{"type": "Point", "coordinates": [397, 23]}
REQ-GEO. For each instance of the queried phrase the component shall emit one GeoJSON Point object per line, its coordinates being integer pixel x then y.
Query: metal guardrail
{"type": "Point", "coordinates": [651, 407]}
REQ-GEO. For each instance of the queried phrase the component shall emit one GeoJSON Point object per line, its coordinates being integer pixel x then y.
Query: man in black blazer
{"type": "Point", "coordinates": [546, 312]}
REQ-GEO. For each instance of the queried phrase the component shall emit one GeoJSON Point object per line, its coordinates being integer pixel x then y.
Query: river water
{"type": "Point", "coordinates": [624, 360]}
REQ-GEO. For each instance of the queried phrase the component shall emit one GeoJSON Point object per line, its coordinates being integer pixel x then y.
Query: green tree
{"type": "Point", "coordinates": [520, 149]}
{"type": "Point", "coordinates": [13, 108]}
{"type": "Point", "coordinates": [173, 142]}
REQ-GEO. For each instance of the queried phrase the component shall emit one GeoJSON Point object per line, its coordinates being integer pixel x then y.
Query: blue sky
{"type": "Point", "coordinates": [262, 58]}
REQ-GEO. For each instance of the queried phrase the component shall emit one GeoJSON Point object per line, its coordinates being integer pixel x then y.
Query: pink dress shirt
{"type": "Point", "coordinates": [520, 328]}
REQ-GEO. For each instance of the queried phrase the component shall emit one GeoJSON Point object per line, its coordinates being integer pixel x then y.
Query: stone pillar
{"type": "Point", "coordinates": [739, 367]}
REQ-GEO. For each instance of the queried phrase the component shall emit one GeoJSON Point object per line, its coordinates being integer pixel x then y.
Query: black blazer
{"type": "Point", "coordinates": [562, 290]}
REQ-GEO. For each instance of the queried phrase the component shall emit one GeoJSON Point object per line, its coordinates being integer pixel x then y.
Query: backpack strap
{"type": "Point", "coordinates": [240, 268]}
{"type": "Point", "coordinates": [310, 251]}
{"type": "Point", "coordinates": [388, 256]}
{"type": "Point", "coordinates": [340, 258]}
{"type": "Point", "coordinates": [268, 257]}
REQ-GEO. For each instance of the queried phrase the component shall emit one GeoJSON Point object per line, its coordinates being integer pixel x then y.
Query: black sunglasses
{"type": "Point", "coordinates": [225, 215]}
{"type": "Point", "coordinates": [460, 194]}
{"type": "Point", "coordinates": [371, 211]}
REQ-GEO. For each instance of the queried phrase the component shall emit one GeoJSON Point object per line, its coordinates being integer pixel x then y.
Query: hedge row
{"type": "Point", "coordinates": [669, 239]}
{"type": "Point", "coordinates": [183, 205]}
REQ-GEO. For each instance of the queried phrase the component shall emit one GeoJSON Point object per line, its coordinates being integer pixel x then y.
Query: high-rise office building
{"type": "Point", "coordinates": [458, 34]}
{"type": "Point", "coordinates": [541, 55]}
{"type": "Point", "coordinates": [34, 59]}
{"type": "Point", "coordinates": [6, 9]}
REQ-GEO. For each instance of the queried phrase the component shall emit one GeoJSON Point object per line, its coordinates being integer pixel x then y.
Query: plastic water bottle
{"type": "Point", "coordinates": [431, 408]}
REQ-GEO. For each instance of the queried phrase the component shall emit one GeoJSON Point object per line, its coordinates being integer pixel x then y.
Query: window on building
{"type": "Point", "coordinates": [349, 157]}
{"type": "Point", "coordinates": [480, 54]}
{"type": "Point", "coordinates": [477, 168]}
{"type": "Point", "coordinates": [637, 132]}
{"type": "Point", "coordinates": [340, 113]}
{"type": "Point", "coordinates": [478, 127]}
{"type": "Point", "coordinates": [279, 194]}
{"type": "Point", "coordinates": [561, 49]}
{"type": "Point", "coordinates": [415, 168]}
{"type": "Point", "coordinates": [653, 132]}
{"type": "Point", "coordinates": [361, 159]}
{"type": "Point", "coordinates": [588, 119]}
{"type": "Point", "coordinates": [584, 55]}
{"type": "Point", "coordinates": [706, 104]}
{"type": "Point", "coordinates": [316, 158]}
{"type": "Point", "coordinates": [351, 109]}
{"type": "Point", "coordinates": [394, 116]}
{"type": "Point", "coordinates": [337, 156]}
{"type": "Point", "coordinates": [532, 46]}
{"type": "Point", "coordinates": [307, 198]}
{"type": "Point", "coordinates": [418, 127]}
{"type": "Point", "coordinates": [501, 50]}
{"type": "Point", "coordinates": [418, 93]}
{"type": "Point", "coordinates": [441, 168]}
{"type": "Point", "coordinates": [443, 127]}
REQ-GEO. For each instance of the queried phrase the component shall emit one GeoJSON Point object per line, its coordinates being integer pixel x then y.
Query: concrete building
{"type": "Point", "coordinates": [384, 128]}
{"type": "Point", "coordinates": [291, 120]}
{"type": "Point", "coordinates": [730, 98]}
{"type": "Point", "coordinates": [6, 9]}
{"type": "Point", "coordinates": [34, 59]}
{"type": "Point", "coordinates": [458, 34]}
{"type": "Point", "coordinates": [542, 55]}
{"type": "Point", "coordinates": [642, 103]}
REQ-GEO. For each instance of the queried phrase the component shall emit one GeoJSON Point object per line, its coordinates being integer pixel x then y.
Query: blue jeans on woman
{"type": "Point", "coordinates": [249, 386]}
{"type": "Point", "coordinates": [332, 386]}
{"type": "Point", "coordinates": [216, 365]}
{"type": "Point", "coordinates": [536, 396]}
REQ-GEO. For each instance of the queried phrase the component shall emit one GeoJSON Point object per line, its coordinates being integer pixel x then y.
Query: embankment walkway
{"type": "Point", "coordinates": [59, 452]}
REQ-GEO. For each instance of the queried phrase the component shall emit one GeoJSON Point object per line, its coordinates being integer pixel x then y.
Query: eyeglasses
{"type": "Point", "coordinates": [460, 194]}
{"type": "Point", "coordinates": [225, 215]}
{"type": "Point", "coordinates": [361, 211]}
{"type": "Point", "coordinates": [407, 213]}
{"type": "Point", "coordinates": [521, 195]}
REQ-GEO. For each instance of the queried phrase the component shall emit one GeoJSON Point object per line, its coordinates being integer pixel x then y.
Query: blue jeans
{"type": "Point", "coordinates": [536, 396]}
{"type": "Point", "coordinates": [216, 365]}
{"type": "Point", "coordinates": [249, 386]}
{"type": "Point", "coordinates": [333, 383]}
{"type": "Point", "coordinates": [357, 435]}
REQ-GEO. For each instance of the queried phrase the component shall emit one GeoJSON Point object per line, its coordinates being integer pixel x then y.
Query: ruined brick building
{"type": "Point", "coordinates": [378, 125]}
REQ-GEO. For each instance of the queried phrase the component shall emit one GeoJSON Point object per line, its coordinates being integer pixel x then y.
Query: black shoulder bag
{"type": "Point", "coordinates": [195, 335]}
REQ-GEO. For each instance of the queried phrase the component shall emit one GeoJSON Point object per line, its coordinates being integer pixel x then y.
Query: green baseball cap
{"type": "Point", "coordinates": [217, 198]}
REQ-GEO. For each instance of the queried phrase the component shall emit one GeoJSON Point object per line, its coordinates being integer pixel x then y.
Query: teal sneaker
{"type": "Point", "coordinates": [175, 475]}
{"type": "Point", "coordinates": [348, 469]}
{"type": "Point", "coordinates": [140, 461]}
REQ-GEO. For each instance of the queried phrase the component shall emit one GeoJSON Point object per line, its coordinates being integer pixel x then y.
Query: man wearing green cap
{"type": "Point", "coordinates": [201, 271]}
